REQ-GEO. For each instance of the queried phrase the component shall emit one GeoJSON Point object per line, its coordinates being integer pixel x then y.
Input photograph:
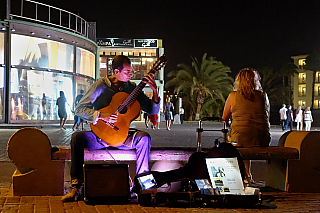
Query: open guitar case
{"type": "Point", "coordinates": [189, 195]}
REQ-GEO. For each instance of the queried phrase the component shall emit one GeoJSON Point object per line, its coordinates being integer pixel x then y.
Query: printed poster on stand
{"type": "Point", "coordinates": [225, 175]}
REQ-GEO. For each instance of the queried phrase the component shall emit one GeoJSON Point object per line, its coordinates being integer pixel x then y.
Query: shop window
{"type": "Point", "coordinates": [43, 53]}
{"type": "Point", "coordinates": [2, 71]}
{"type": "Point", "coordinates": [1, 48]}
{"type": "Point", "coordinates": [34, 94]}
{"type": "Point", "coordinates": [1, 92]}
{"type": "Point", "coordinates": [85, 62]}
{"type": "Point", "coordinates": [83, 84]}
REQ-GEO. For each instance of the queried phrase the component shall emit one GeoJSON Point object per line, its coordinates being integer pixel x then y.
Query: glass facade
{"type": "Point", "coordinates": [85, 62]}
{"type": "Point", "coordinates": [40, 69]}
{"type": "Point", "coordinates": [41, 53]}
{"type": "Point", "coordinates": [2, 76]}
{"type": "Point", "coordinates": [1, 48]}
{"type": "Point", "coordinates": [34, 94]}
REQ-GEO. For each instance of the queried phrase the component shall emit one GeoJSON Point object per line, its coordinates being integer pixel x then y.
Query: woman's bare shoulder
{"type": "Point", "coordinates": [232, 94]}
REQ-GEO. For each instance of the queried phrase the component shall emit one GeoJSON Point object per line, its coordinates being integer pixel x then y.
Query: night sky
{"type": "Point", "coordinates": [238, 33]}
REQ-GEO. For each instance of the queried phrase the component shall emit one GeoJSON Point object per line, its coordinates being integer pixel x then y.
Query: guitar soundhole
{"type": "Point", "coordinates": [122, 109]}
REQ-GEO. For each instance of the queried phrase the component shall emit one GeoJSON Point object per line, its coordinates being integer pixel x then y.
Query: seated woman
{"type": "Point", "coordinates": [249, 107]}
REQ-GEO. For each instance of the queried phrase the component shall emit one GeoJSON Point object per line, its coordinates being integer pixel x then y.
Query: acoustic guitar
{"type": "Point", "coordinates": [127, 108]}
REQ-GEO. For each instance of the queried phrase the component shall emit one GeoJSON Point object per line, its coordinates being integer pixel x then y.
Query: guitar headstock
{"type": "Point", "coordinates": [161, 62]}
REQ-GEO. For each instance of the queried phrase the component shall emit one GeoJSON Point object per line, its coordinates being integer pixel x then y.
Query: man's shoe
{"type": "Point", "coordinates": [75, 193]}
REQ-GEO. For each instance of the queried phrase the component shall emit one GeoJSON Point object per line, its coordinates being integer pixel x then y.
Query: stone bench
{"type": "Point", "coordinates": [177, 154]}
{"type": "Point", "coordinates": [277, 157]}
{"type": "Point", "coordinates": [288, 164]}
{"type": "Point", "coordinates": [300, 174]}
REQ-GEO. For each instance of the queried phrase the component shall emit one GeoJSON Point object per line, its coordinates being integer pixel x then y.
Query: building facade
{"type": "Point", "coordinates": [41, 57]}
{"type": "Point", "coordinates": [302, 85]}
{"type": "Point", "coordinates": [143, 53]}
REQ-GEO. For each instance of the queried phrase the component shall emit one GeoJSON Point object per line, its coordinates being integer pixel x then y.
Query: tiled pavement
{"type": "Point", "coordinates": [179, 136]}
{"type": "Point", "coordinates": [272, 202]}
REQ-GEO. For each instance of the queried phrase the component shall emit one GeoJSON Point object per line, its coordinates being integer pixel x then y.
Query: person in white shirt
{"type": "Point", "coordinates": [308, 118]}
{"type": "Point", "coordinates": [299, 118]}
{"type": "Point", "coordinates": [181, 112]}
{"type": "Point", "coordinates": [283, 116]}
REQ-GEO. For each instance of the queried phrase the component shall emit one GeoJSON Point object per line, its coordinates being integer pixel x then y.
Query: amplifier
{"type": "Point", "coordinates": [106, 183]}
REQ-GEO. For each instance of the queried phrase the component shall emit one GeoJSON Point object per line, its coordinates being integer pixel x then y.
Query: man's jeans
{"type": "Point", "coordinates": [87, 139]}
{"type": "Point", "coordinates": [289, 122]}
{"type": "Point", "coordinates": [283, 124]}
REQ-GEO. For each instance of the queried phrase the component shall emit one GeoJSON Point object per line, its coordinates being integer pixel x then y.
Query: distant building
{"type": "Point", "coordinates": [302, 85]}
{"type": "Point", "coordinates": [143, 53]}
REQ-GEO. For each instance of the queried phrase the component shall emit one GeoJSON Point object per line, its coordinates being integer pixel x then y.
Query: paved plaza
{"type": "Point", "coordinates": [179, 136]}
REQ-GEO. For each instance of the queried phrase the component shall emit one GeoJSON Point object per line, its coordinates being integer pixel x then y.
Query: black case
{"type": "Point", "coordinates": [106, 183]}
{"type": "Point", "coordinates": [196, 199]}
{"type": "Point", "coordinates": [196, 169]}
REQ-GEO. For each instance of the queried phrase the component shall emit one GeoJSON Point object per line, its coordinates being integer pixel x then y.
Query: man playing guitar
{"type": "Point", "coordinates": [100, 96]}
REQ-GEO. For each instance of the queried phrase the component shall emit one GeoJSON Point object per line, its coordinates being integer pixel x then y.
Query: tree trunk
{"type": "Point", "coordinates": [198, 111]}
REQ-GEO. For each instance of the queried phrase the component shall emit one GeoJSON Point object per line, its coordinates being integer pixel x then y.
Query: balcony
{"type": "Point", "coordinates": [301, 94]}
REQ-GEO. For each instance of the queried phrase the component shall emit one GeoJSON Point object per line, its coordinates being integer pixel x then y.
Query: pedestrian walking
{"type": "Point", "coordinates": [308, 118]}
{"type": "Point", "coordinates": [289, 120]}
{"type": "Point", "coordinates": [168, 109]}
{"type": "Point", "coordinates": [146, 119]}
{"type": "Point", "coordinates": [283, 116]}
{"type": "Point", "coordinates": [62, 110]}
{"type": "Point", "coordinates": [299, 118]}
{"type": "Point", "coordinates": [44, 104]}
{"type": "Point", "coordinates": [181, 112]}
{"type": "Point", "coordinates": [77, 120]}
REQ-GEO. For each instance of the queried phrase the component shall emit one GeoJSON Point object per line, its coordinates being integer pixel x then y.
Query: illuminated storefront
{"type": "Point", "coordinates": [42, 62]}
{"type": "Point", "coordinates": [143, 54]}
{"type": "Point", "coordinates": [2, 68]}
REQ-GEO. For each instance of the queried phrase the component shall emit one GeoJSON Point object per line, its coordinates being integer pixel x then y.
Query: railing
{"type": "Point", "coordinates": [46, 14]}
{"type": "Point", "coordinates": [301, 94]}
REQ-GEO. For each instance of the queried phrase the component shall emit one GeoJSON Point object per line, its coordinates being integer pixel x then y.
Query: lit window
{"type": "Point", "coordinates": [302, 62]}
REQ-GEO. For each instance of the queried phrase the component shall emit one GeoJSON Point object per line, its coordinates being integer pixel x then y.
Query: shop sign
{"type": "Point", "coordinates": [115, 42]}
{"type": "Point", "coordinates": [146, 43]}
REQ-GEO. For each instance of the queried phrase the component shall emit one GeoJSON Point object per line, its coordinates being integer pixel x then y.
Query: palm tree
{"type": "Point", "coordinates": [313, 64]}
{"type": "Point", "coordinates": [207, 80]}
{"type": "Point", "coordinates": [271, 83]}
{"type": "Point", "coordinates": [288, 70]}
